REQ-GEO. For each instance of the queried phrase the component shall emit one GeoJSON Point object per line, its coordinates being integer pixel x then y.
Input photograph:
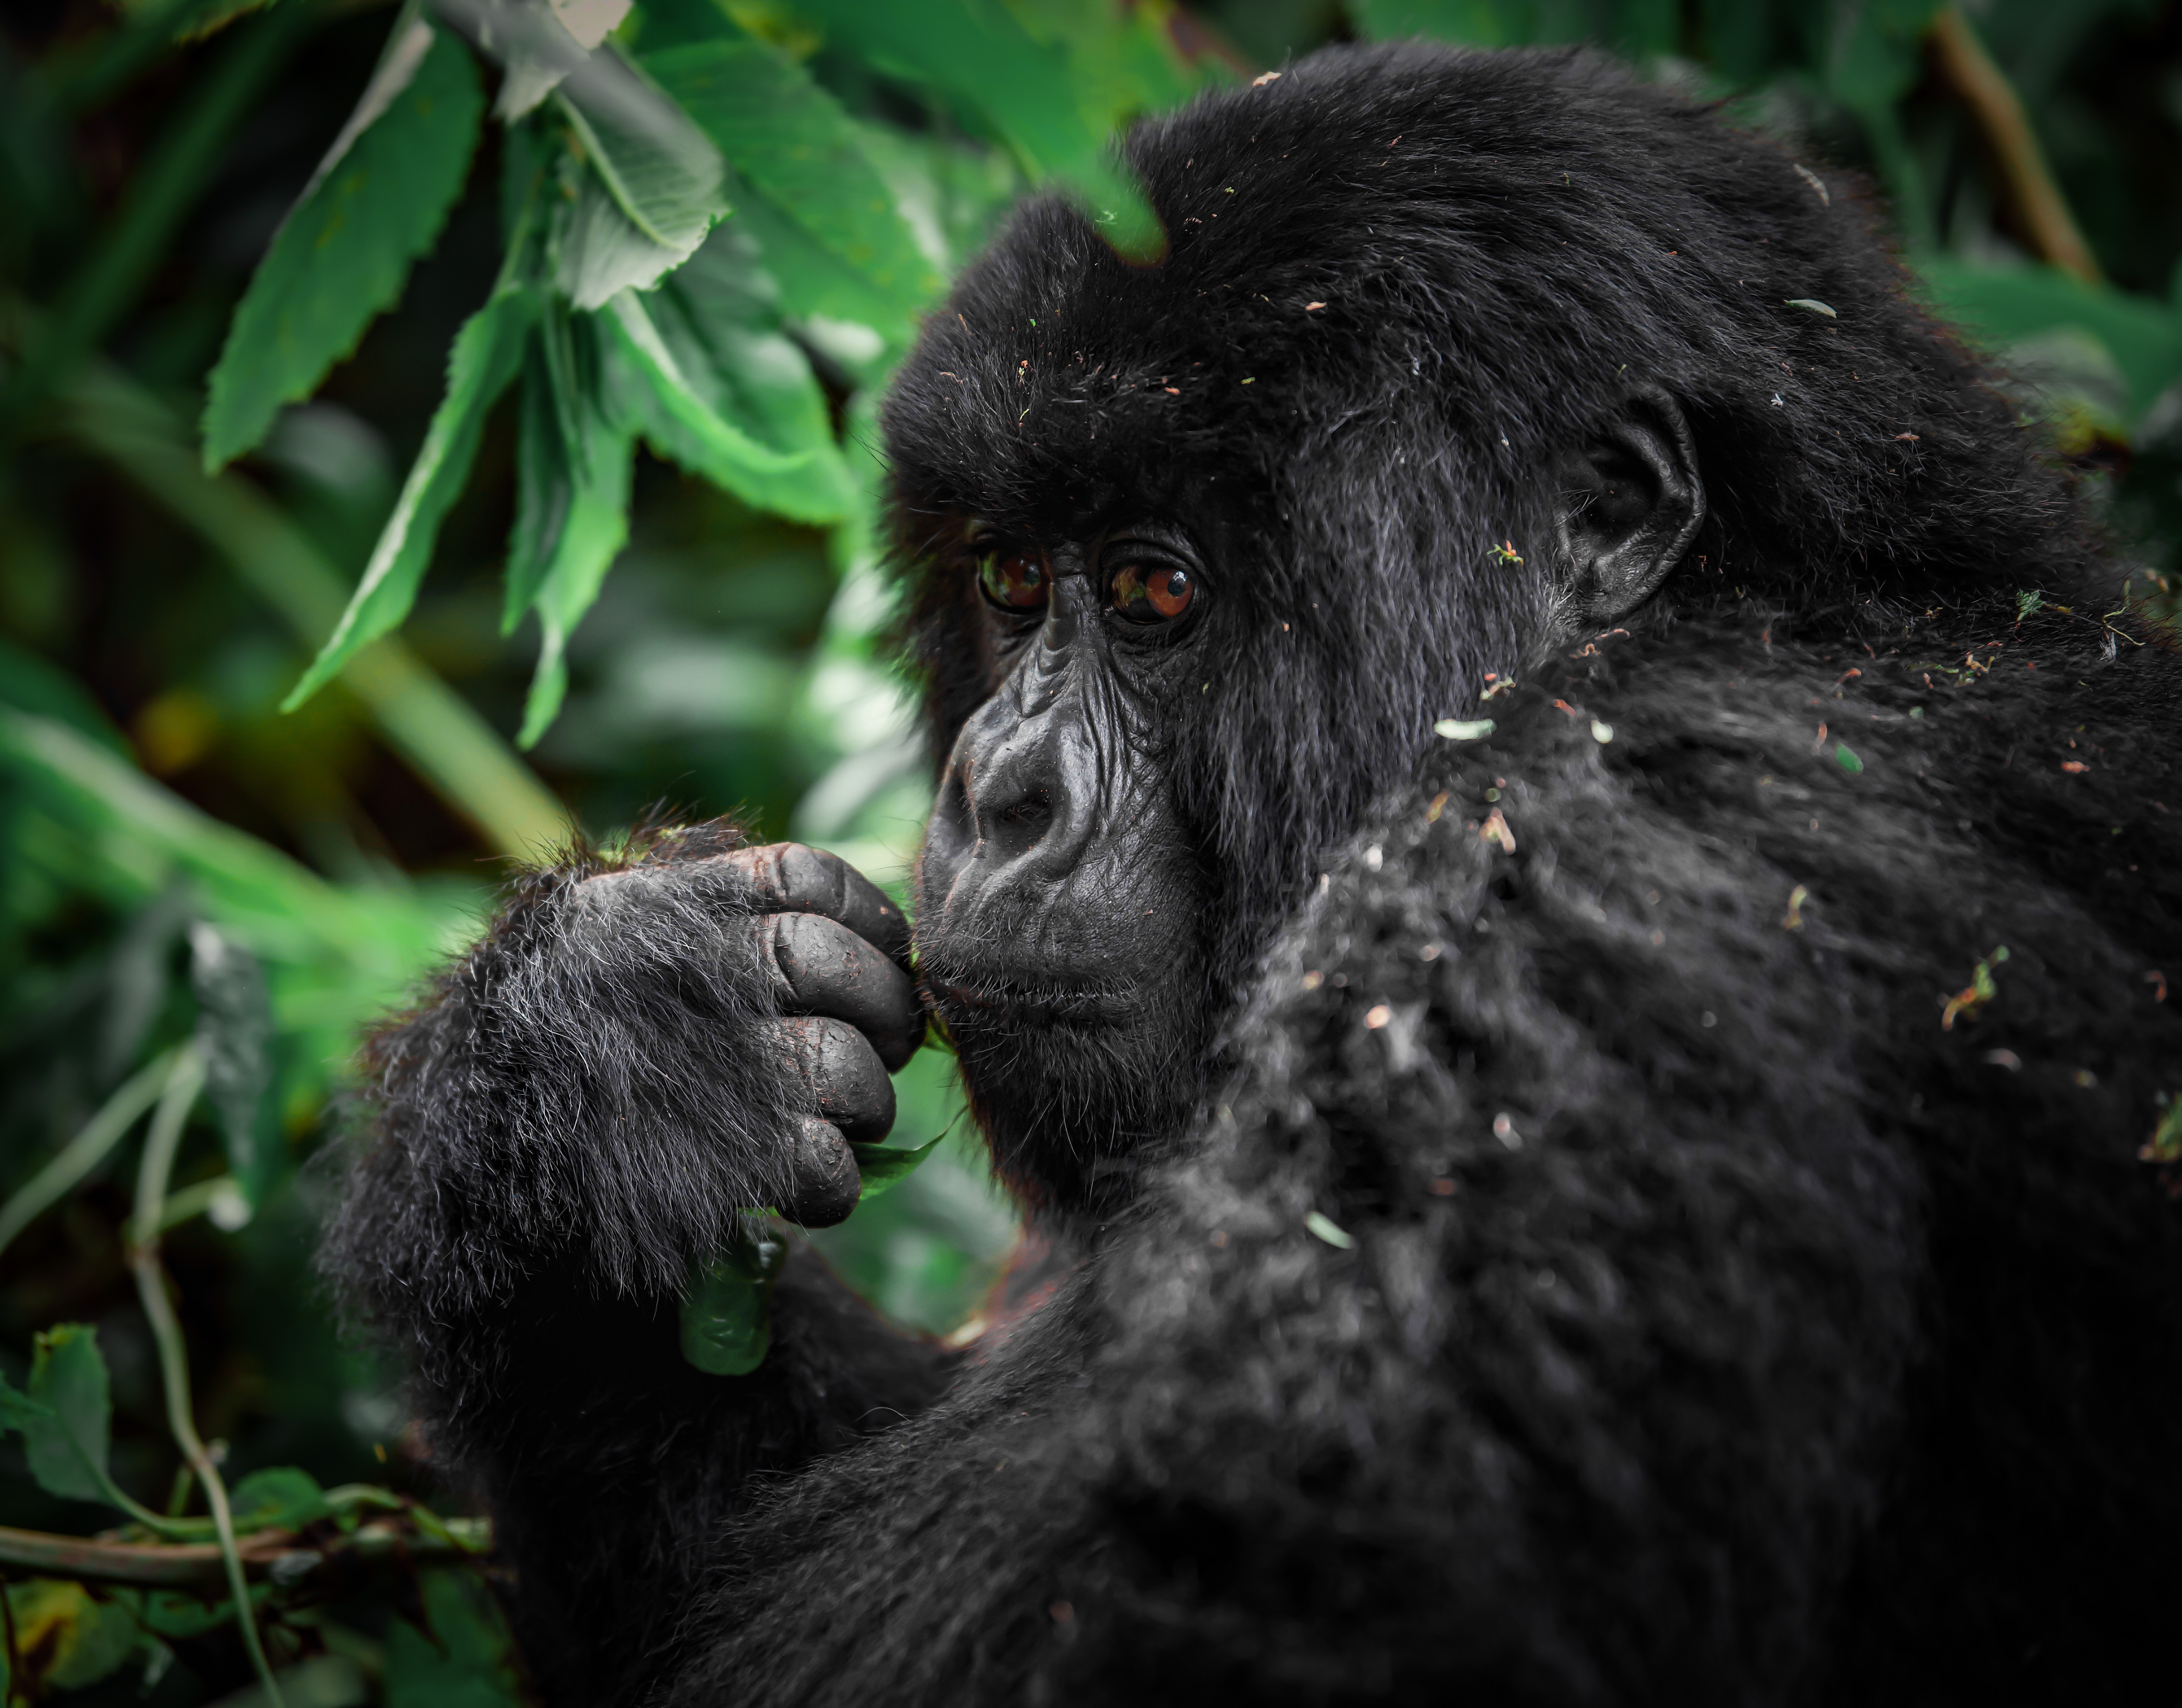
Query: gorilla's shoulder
{"type": "Point", "coordinates": [1646, 896]}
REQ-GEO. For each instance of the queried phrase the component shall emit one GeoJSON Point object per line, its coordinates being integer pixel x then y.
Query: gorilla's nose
{"type": "Point", "coordinates": [1021, 790]}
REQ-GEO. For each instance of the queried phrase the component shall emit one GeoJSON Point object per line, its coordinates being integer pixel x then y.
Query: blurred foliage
{"type": "Point", "coordinates": [493, 383]}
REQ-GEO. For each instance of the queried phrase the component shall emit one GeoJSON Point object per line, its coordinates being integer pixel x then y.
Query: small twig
{"type": "Point", "coordinates": [2028, 186]}
{"type": "Point", "coordinates": [86, 1151]}
{"type": "Point", "coordinates": [184, 1081]}
{"type": "Point", "coordinates": [202, 1568]}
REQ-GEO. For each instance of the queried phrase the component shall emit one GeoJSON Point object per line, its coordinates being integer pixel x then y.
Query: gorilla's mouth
{"type": "Point", "coordinates": [984, 994]}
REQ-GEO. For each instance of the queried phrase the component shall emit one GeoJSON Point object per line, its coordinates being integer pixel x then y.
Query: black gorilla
{"type": "Point", "coordinates": [1516, 1215]}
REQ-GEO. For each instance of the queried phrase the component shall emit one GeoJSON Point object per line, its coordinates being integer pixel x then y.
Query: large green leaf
{"type": "Point", "coordinates": [342, 255]}
{"type": "Point", "coordinates": [792, 144]}
{"type": "Point", "coordinates": [66, 1445]}
{"type": "Point", "coordinates": [485, 358]}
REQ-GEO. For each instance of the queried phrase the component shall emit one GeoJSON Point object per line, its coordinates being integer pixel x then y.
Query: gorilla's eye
{"type": "Point", "coordinates": [1013, 580]}
{"type": "Point", "coordinates": [1153, 592]}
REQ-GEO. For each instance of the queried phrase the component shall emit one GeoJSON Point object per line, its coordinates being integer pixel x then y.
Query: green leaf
{"type": "Point", "coordinates": [652, 190]}
{"type": "Point", "coordinates": [66, 1445]}
{"type": "Point", "coordinates": [342, 255]}
{"type": "Point", "coordinates": [484, 359]}
{"type": "Point", "coordinates": [727, 1314]}
{"type": "Point", "coordinates": [679, 404]}
{"type": "Point", "coordinates": [980, 53]}
{"type": "Point", "coordinates": [462, 1656]}
{"type": "Point", "coordinates": [2002, 307]}
{"type": "Point", "coordinates": [278, 1497]}
{"type": "Point", "coordinates": [573, 441]}
{"type": "Point", "coordinates": [883, 1166]}
{"type": "Point", "coordinates": [792, 144]}
{"type": "Point", "coordinates": [234, 1035]}
{"type": "Point", "coordinates": [68, 1637]}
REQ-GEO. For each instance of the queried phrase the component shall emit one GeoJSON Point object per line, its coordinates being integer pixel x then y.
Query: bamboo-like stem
{"type": "Point", "coordinates": [2028, 184]}
{"type": "Point", "coordinates": [184, 1081]}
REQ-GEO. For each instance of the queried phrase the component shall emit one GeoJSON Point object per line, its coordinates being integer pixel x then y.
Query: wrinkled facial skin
{"type": "Point", "coordinates": [1060, 897]}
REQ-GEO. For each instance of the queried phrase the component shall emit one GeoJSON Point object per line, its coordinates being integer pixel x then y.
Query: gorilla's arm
{"type": "Point", "coordinates": [581, 1111]}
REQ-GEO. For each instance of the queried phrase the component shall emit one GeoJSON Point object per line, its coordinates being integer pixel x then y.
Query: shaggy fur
{"type": "Point", "coordinates": [1600, 1269]}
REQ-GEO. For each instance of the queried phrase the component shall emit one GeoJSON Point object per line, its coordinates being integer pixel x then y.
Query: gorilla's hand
{"type": "Point", "coordinates": [827, 949]}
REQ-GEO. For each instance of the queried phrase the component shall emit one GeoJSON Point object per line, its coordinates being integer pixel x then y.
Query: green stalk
{"type": "Point", "coordinates": [86, 1151]}
{"type": "Point", "coordinates": [184, 1081]}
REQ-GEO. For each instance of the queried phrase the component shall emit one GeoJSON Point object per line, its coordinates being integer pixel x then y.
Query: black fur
{"type": "Point", "coordinates": [1694, 1315]}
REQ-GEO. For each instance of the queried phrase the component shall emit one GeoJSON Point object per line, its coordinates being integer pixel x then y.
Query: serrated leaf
{"type": "Point", "coordinates": [484, 359]}
{"type": "Point", "coordinates": [68, 1445]}
{"type": "Point", "coordinates": [543, 489]}
{"type": "Point", "coordinates": [678, 401]}
{"type": "Point", "coordinates": [791, 143]}
{"type": "Point", "coordinates": [574, 450]}
{"type": "Point", "coordinates": [651, 187]}
{"type": "Point", "coordinates": [233, 1035]}
{"type": "Point", "coordinates": [343, 252]}
{"type": "Point", "coordinates": [883, 1166]}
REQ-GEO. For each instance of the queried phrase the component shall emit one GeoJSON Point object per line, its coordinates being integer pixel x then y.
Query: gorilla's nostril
{"type": "Point", "coordinates": [1020, 825]}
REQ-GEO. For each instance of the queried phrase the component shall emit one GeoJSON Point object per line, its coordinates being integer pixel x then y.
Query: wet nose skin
{"type": "Point", "coordinates": [1022, 789]}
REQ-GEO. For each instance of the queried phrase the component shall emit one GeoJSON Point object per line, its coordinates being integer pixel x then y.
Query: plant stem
{"type": "Point", "coordinates": [86, 1151]}
{"type": "Point", "coordinates": [2028, 184]}
{"type": "Point", "coordinates": [202, 1567]}
{"type": "Point", "coordinates": [184, 1081]}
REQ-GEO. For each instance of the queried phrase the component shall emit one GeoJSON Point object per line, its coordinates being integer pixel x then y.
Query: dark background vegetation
{"type": "Point", "coordinates": [153, 617]}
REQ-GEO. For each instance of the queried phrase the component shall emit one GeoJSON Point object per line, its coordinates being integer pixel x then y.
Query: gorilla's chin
{"type": "Point", "coordinates": [1078, 1076]}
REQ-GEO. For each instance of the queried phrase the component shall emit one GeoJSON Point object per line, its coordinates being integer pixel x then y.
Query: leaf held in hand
{"type": "Point", "coordinates": [883, 1166]}
{"type": "Point", "coordinates": [727, 1314]}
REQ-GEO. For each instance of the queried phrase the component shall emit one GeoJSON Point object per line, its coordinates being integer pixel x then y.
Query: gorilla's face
{"type": "Point", "coordinates": [1060, 897]}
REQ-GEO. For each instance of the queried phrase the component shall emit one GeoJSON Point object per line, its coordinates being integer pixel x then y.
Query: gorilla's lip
{"type": "Point", "coordinates": [989, 993]}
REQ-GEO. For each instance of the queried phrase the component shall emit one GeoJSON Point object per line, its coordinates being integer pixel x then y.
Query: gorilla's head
{"type": "Point", "coordinates": [1449, 359]}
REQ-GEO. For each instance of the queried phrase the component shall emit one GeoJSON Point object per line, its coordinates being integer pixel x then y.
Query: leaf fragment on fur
{"type": "Point", "coordinates": [1813, 305]}
{"type": "Point", "coordinates": [1462, 729]}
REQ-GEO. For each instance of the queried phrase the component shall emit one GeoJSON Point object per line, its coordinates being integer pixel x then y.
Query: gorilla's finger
{"type": "Point", "coordinates": [826, 969]}
{"type": "Point", "coordinates": [826, 1182]}
{"type": "Point", "coordinates": [848, 1083]}
{"type": "Point", "coordinates": [787, 877]}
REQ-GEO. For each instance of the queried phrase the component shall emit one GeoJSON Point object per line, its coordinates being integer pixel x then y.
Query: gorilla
{"type": "Point", "coordinates": [1554, 877]}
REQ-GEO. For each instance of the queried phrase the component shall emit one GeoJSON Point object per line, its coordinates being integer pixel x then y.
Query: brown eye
{"type": "Point", "coordinates": [1013, 580]}
{"type": "Point", "coordinates": [1153, 593]}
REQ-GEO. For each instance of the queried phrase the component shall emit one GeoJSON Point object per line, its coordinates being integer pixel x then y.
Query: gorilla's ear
{"type": "Point", "coordinates": [1631, 504]}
